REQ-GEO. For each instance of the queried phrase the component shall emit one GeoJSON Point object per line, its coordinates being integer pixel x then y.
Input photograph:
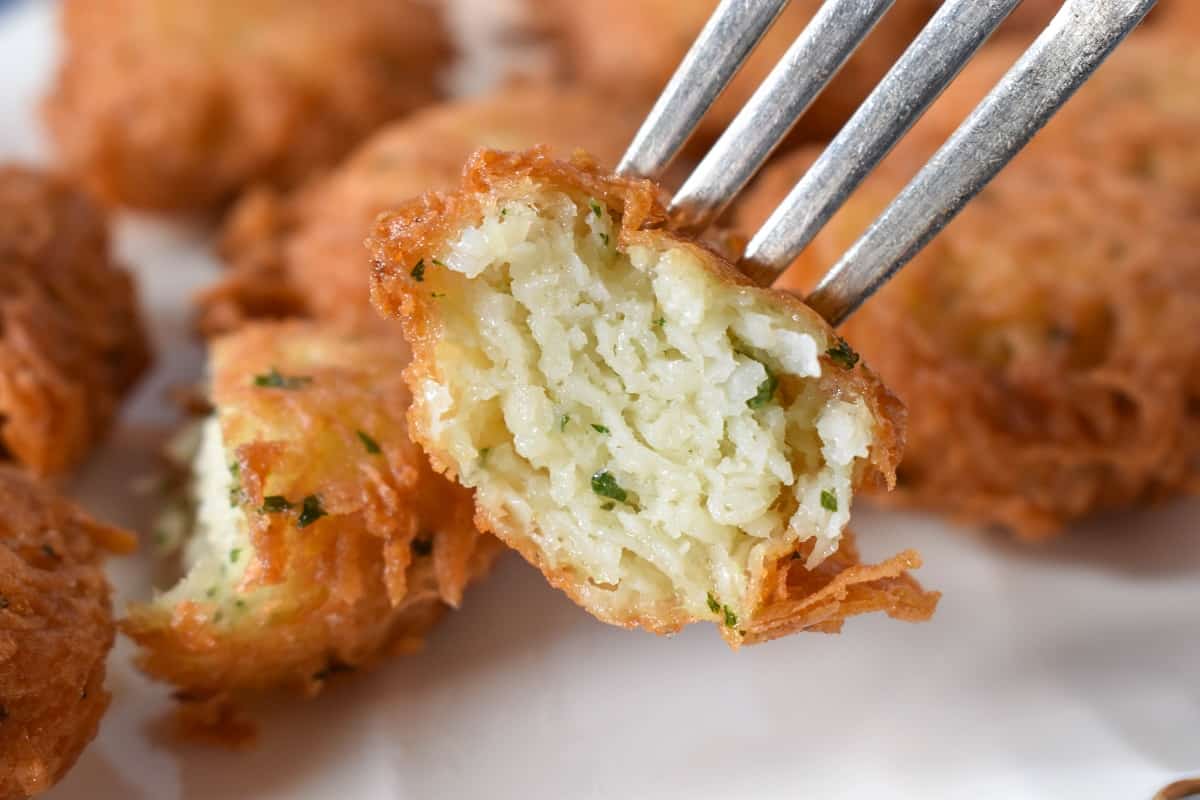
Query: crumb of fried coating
{"type": "Point", "coordinates": [56, 630]}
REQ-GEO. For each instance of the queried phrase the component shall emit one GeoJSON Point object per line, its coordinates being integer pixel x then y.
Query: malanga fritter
{"type": "Point", "coordinates": [176, 105]}
{"type": "Point", "coordinates": [630, 48]}
{"type": "Point", "coordinates": [302, 253]}
{"type": "Point", "coordinates": [316, 538]}
{"type": "Point", "coordinates": [56, 630]}
{"type": "Point", "coordinates": [71, 337]}
{"type": "Point", "coordinates": [666, 442]}
{"type": "Point", "coordinates": [1045, 343]}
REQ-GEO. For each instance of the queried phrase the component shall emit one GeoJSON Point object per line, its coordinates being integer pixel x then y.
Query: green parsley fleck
{"type": "Point", "coordinates": [234, 555]}
{"type": "Point", "coordinates": [50, 552]}
{"type": "Point", "coordinates": [766, 390]}
{"type": "Point", "coordinates": [439, 263]}
{"type": "Point", "coordinates": [828, 500]}
{"type": "Point", "coordinates": [562, 422]}
{"type": "Point", "coordinates": [235, 471]}
{"type": "Point", "coordinates": [212, 592]}
{"type": "Point", "coordinates": [504, 211]}
{"type": "Point", "coordinates": [241, 604]}
{"type": "Point", "coordinates": [609, 506]}
{"type": "Point", "coordinates": [275, 503]}
{"type": "Point", "coordinates": [842, 354]}
{"type": "Point", "coordinates": [597, 209]}
{"type": "Point", "coordinates": [310, 511]}
{"type": "Point", "coordinates": [275, 380]}
{"type": "Point", "coordinates": [437, 295]}
{"type": "Point", "coordinates": [730, 617]}
{"type": "Point", "coordinates": [418, 272]}
{"type": "Point", "coordinates": [483, 455]}
{"type": "Point", "coordinates": [422, 547]}
{"type": "Point", "coordinates": [713, 605]}
{"type": "Point", "coordinates": [604, 238]}
{"type": "Point", "coordinates": [369, 443]}
{"type": "Point", "coordinates": [599, 428]}
{"type": "Point", "coordinates": [660, 321]}
{"type": "Point", "coordinates": [605, 485]}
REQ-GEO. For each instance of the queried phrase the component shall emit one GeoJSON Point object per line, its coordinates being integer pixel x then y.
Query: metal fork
{"type": "Point", "coordinates": [1073, 45]}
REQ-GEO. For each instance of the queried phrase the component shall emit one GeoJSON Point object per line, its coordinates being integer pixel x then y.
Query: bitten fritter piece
{"type": "Point", "coordinates": [1046, 343]}
{"type": "Point", "coordinates": [56, 630]}
{"type": "Point", "coordinates": [630, 48]}
{"type": "Point", "coordinates": [318, 538]}
{"type": "Point", "coordinates": [302, 253]}
{"type": "Point", "coordinates": [176, 105]}
{"type": "Point", "coordinates": [71, 337]}
{"type": "Point", "coordinates": [666, 442]}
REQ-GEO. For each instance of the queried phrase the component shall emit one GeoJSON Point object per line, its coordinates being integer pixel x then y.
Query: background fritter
{"type": "Point", "coordinates": [539, 368]}
{"type": "Point", "coordinates": [55, 632]}
{"type": "Point", "coordinates": [349, 545]}
{"type": "Point", "coordinates": [1048, 362]}
{"type": "Point", "coordinates": [71, 337]}
{"type": "Point", "coordinates": [302, 253]}
{"type": "Point", "coordinates": [171, 104]}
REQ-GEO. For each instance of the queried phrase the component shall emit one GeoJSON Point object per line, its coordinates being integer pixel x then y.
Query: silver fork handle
{"type": "Point", "coordinates": [1081, 36]}
{"type": "Point", "coordinates": [726, 41]}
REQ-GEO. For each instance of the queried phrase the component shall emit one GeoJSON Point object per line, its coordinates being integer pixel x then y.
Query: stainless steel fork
{"type": "Point", "coordinates": [1073, 45]}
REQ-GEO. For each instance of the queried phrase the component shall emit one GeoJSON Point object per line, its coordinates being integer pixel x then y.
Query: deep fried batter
{"type": "Point", "coordinates": [630, 48]}
{"type": "Point", "coordinates": [302, 254]}
{"type": "Point", "coordinates": [56, 630]}
{"type": "Point", "coordinates": [176, 105]}
{"type": "Point", "coordinates": [1045, 343]}
{"type": "Point", "coordinates": [593, 449]}
{"type": "Point", "coordinates": [320, 539]}
{"type": "Point", "coordinates": [71, 337]}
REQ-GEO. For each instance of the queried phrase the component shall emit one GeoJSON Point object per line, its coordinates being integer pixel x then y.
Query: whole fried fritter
{"type": "Point", "coordinates": [176, 105]}
{"type": "Point", "coordinates": [667, 443]}
{"type": "Point", "coordinates": [56, 630]}
{"type": "Point", "coordinates": [318, 538]}
{"type": "Point", "coordinates": [630, 48]}
{"type": "Point", "coordinates": [1046, 343]}
{"type": "Point", "coordinates": [302, 253]}
{"type": "Point", "coordinates": [71, 336]}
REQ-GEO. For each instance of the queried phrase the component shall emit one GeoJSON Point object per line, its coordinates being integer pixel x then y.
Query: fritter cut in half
{"type": "Point", "coordinates": [176, 104]}
{"type": "Point", "coordinates": [301, 253]}
{"type": "Point", "coordinates": [666, 442]}
{"type": "Point", "coordinates": [56, 629]}
{"type": "Point", "coordinates": [318, 538]}
{"type": "Point", "coordinates": [1046, 343]}
{"type": "Point", "coordinates": [71, 337]}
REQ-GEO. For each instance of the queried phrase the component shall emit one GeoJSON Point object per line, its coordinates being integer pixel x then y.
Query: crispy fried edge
{"type": "Point", "coordinates": [417, 229]}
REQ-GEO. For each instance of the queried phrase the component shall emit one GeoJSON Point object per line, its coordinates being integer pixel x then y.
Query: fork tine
{"type": "Point", "coordinates": [1081, 36]}
{"type": "Point", "coordinates": [935, 57]}
{"type": "Point", "coordinates": [728, 38]}
{"type": "Point", "coordinates": [810, 63]}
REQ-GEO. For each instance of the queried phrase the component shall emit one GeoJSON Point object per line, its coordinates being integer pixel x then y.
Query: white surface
{"type": "Point", "coordinates": [1071, 670]}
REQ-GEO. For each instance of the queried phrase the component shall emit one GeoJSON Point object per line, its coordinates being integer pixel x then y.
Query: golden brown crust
{"type": "Point", "coordinates": [396, 546]}
{"type": "Point", "coordinates": [55, 632]}
{"type": "Point", "coordinates": [302, 253]}
{"type": "Point", "coordinates": [71, 336]}
{"type": "Point", "coordinates": [175, 105]}
{"type": "Point", "coordinates": [630, 48]}
{"type": "Point", "coordinates": [1044, 343]}
{"type": "Point", "coordinates": [420, 229]}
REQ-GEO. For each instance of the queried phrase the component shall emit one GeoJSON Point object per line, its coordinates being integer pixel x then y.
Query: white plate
{"type": "Point", "coordinates": [1070, 670]}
